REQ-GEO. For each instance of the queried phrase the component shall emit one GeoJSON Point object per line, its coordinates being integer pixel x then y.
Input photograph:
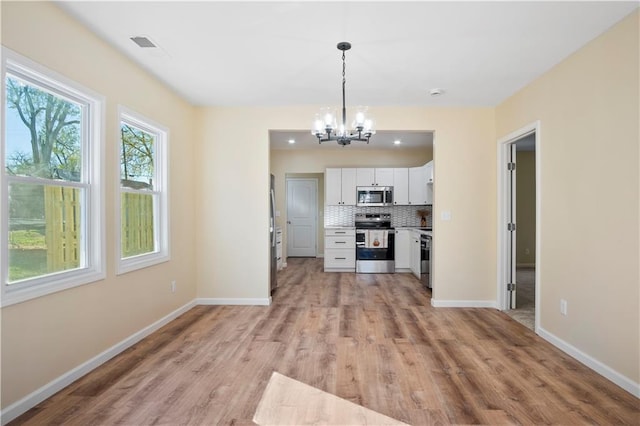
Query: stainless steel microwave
{"type": "Point", "coordinates": [374, 196]}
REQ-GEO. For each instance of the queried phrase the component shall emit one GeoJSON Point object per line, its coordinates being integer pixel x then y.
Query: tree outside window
{"type": "Point", "coordinates": [42, 150]}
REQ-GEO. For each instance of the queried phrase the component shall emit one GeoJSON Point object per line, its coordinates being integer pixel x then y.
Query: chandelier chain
{"type": "Point", "coordinates": [344, 82]}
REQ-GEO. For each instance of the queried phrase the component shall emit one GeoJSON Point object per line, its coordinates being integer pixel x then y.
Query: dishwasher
{"type": "Point", "coordinates": [425, 260]}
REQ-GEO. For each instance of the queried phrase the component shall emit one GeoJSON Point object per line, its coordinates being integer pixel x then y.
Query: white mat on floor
{"type": "Point", "coordinates": [288, 402]}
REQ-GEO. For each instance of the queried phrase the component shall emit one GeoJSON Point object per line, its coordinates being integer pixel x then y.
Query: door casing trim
{"type": "Point", "coordinates": [503, 235]}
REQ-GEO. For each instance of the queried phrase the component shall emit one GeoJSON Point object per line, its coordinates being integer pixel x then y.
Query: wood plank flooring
{"type": "Point", "coordinates": [373, 340]}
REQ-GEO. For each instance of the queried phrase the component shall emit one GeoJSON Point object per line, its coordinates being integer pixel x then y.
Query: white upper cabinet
{"type": "Point", "coordinates": [374, 177]}
{"type": "Point", "coordinates": [429, 167]}
{"type": "Point", "coordinates": [340, 187]}
{"type": "Point", "coordinates": [418, 185]}
{"type": "Point", "coordinates": [365, 176]}
{"type": "Point", "coordinates": [333, 187]}
{"type": "Point", "coordinates": [349, 187]}
{"type": "Point", "coordinates": [401, 186]}
{"type": "Point", "coordinates": [384, 177]}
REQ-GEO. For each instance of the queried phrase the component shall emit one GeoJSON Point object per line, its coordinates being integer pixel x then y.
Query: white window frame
{"type": "Point", "coordinates": [92, 220]}
{"type": "Point", "coordinates": [160, 190]}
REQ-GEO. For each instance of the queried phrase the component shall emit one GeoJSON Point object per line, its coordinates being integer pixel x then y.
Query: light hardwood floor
{"type": "Point", "coordinates": [525, 312]}
{"type": "Point", "coordinates": [373, 340]}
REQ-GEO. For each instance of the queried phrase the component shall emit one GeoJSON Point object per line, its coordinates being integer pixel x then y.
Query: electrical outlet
{"type": "Point", "coordinates": [173, 286]}
{"type": "Point", "coordinates": [563, 307]}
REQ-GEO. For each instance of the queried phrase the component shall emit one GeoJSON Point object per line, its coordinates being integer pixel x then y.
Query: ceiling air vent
{"type": "Point", "coordinates": [143, 42]}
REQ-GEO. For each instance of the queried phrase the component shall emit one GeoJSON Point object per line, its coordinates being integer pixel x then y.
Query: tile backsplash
{"type": "Point", "coordinates": [400, 215]}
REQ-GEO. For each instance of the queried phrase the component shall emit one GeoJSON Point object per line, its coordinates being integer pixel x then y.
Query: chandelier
{"type": "Point", "coordinates": [325, 126]}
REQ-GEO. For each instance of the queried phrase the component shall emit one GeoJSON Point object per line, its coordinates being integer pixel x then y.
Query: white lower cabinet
{"type": "Point", "coordinates": [415, 253]}
{"type": "Point", "coordinates": [339, 250]}
{"type": "Point", "coordinates": [403, 250]}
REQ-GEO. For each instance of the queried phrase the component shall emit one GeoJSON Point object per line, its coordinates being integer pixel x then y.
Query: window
{"type": "Point", "coordinates": [52, 215]}
{"type": "Point", "coordinates": [142, 202]}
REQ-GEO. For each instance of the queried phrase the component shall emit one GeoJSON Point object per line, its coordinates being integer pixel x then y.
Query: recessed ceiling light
{"type": "Point", "coordinates": [436, 92]}
{"type": "Point", "coordinates": [397, 142]}
{"type": "Point", "coordinates": [292, 141]}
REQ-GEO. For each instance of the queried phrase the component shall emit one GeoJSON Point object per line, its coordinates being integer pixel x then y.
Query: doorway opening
{"type": "Point", "coordinates": [519, 207]}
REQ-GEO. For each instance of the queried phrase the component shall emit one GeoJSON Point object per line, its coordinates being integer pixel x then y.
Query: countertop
{"type": "Point", "coordinates": [418, 229]}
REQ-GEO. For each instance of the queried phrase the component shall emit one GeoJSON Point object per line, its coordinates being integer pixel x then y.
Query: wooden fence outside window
{"type": "Point", "coordinates": [63, 227]}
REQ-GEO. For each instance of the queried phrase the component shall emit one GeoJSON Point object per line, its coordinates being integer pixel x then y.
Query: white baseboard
{"type": "Point", "coordinates": [238, 301]}
{"type": "Point", "coordinates": [436, 303]}
{"type": "Point", "coordinates": [604, 370]}
{"type": "Point", "coordinates": [56, 385]}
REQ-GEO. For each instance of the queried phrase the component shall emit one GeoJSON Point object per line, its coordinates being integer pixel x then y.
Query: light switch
{"type": "Point", "coordinates": [445, 215]}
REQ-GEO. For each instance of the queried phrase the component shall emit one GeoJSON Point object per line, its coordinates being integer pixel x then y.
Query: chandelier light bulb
{"type": "Point", "coordinates": [328, 120]}
{"type": "Point", "coordinates": [368, 126]}
{"type": "Point", "coordinates": [318, 126]}
{"type": "Point", "coordinates": [359, 120]}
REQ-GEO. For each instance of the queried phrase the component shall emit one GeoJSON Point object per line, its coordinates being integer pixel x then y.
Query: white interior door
{"type": "Point", "coordinates": [511, 226]}
{"type": "Point", "coordinates": [302, 208]}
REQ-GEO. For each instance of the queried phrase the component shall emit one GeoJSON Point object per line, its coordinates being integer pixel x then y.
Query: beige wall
{"type": "Point", "coordinates": [526, 208]}
{"type": "Point", "coordinates": [48, 336]}
{"type": "Point", "coordinates": [289, 162]}
{"type": "Point", "coordinates": [589, 117]}
{"type": "Point", "coordinates": [233, 201]}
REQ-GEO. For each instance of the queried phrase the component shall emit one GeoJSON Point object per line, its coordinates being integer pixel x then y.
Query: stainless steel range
{"type": "Point", "coordinates": [375, 252]}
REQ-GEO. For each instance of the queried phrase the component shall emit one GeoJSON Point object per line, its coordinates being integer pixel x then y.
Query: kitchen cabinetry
{"type": "Point", "coordinates": [339, 250]}
{"type": "Point", "coordinates": [374, 177]}
{"type": "Point", "coordinates": [420, 192]}
{"type": "Point", "coordinates": [401, 186]}
{"type": "Point", "coordinates": [418, 185]}
{"type": "Point", "coordinates": [429, 173]}
{"type": "Point", "coordinates": [340, 187]}
{"type": "Point", "coordinates": [415, 253]}
{"type": "Point", "coordinates": [411, 186]}
{"type": "Point", "coordinates": [403, 250]}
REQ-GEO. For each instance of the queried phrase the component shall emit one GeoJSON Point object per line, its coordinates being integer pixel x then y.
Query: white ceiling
{"type": "Point", "coordinates": [222, 53]}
